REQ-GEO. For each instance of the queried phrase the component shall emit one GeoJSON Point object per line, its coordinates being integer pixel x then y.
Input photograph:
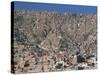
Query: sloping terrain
{"type": "Point", "coordinates": [50, 41]}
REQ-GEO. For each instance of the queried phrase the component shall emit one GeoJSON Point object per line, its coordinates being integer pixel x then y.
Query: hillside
{"type": "Point", "coordinates": [51, 38]}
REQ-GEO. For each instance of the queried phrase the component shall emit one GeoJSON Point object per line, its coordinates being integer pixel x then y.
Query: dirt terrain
{"type": "Point", "coordinates": [51, 41]}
